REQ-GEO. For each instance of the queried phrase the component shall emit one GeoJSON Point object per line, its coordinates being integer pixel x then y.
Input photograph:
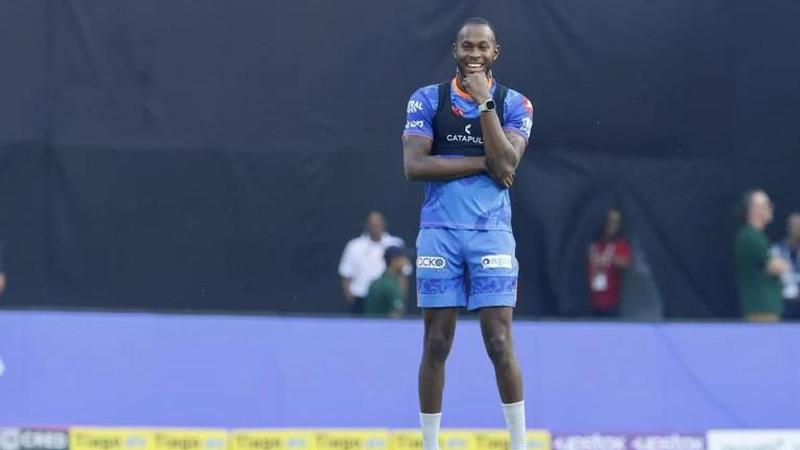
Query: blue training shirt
{"type": "Point", "coordinates": [469, 203]}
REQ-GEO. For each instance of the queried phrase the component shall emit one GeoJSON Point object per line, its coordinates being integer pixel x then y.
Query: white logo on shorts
{"type": "Point", "coordinates": [431, 262]}
{"type": "Point", "coordinates": [497, 262]}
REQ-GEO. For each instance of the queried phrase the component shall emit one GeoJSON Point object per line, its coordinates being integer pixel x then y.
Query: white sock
{"type": "Point", "coordinates": [515, 419]}
{"type": "Point", "coordinates": [430, 430]}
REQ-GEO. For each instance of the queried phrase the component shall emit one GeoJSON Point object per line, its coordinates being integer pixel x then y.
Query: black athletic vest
{"type": "Point", "coordinates": [456, 135]}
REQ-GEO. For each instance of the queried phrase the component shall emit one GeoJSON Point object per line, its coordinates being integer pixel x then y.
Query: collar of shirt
{"type": "Point", "coordinates": [463, 94]}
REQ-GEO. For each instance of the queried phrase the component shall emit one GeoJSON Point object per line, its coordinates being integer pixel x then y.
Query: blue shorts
{"type": "Point", "coordinates": [466, 268]}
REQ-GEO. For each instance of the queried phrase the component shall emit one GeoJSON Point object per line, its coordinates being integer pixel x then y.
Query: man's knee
{"type": "Point", "coordinates": [499, 348]}
{"type": "Point", "coordinates": [437, 346]}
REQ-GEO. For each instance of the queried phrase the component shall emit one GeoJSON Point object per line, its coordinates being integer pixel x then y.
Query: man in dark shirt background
{"type": "Point", "coordinates": [386, 295]}
{"type": "Point", "coordinates": [758, 272]}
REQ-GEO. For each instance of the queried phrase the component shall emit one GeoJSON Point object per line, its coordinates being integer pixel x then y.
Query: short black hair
{"type": "Point", "coordinates": [393, 252]}
{"type": "Point", "coordinates": [477, 21]}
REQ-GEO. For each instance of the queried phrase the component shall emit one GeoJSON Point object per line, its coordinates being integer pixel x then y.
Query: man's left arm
{"type": "Point", "coordinates": [503, 148]}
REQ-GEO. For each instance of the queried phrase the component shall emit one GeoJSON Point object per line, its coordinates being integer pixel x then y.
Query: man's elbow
{"type": "Point", "coordinates": [512, 160]}
{"type": "Point", "coordinates": [411, 173]}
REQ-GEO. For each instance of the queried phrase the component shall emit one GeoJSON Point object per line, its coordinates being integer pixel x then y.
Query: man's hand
{"type": "Point", "coordinates": [348, 296]}
{"type": "Point", "coordinates": [2, 283]}
{"type": "Point", "coordinates": [506, 182]}
{"type": "Point", "coordinates": [477, 86]}
{"type": "Point", "coordinates": [503, 178]}
{"type": "Point", "coordinates": [777, 266]}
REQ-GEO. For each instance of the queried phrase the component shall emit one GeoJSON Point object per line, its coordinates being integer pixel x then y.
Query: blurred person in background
{"type": "Point", "coordinates": [758, 271]}
{"type": "Point", "coordinates": [607, 258]}
{"type": "Point", "coordinates": [362, 260]}
{"type": "Point", "coordinates": [2, 272]}
{"type": "Point", "coordinates": [789, 250]}
{"type": "Point", "coordinates": [386, 295]}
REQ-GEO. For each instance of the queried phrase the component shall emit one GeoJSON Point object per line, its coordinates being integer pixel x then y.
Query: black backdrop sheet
{"type": "Point", "coordinates": [218, 155]}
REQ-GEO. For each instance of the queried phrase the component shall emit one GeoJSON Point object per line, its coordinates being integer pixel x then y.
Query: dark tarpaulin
{"type": "Point", "coordinates": [213, 155]}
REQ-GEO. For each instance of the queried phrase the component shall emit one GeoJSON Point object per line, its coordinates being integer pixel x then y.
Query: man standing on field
{"type": "Point", "coordinates": [465, 138]}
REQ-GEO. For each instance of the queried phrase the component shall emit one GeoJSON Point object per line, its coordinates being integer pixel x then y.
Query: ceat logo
{"type": "Point", "coordinates": [431, 262]}
{"type": "Point", "coordinates": [466, 129]}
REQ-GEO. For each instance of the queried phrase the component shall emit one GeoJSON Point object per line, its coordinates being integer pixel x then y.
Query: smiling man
{"type": "Point", "coordinates": [465, 138]}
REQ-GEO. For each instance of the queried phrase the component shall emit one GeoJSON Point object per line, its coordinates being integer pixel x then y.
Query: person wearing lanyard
{"type": "Point", "coordinates": [607, 259]}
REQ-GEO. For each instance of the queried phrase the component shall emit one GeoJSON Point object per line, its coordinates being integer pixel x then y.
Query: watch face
{"type": "Point", "coordinates": [490, 105]}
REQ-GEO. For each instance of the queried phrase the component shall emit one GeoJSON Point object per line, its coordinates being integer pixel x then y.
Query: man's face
{"type": "Point", "coordinates": [475, 49]}
{"type": "Point", "coordinates": [398, 264]}
{"type": "Point", "coordinates": [761, 207]}
{"type": "Point", "coordinates": [375, 225]}
{"type": "Point", "coordinates": [793, 227]}
{"type": "Point", "coordinates": [613, 222]}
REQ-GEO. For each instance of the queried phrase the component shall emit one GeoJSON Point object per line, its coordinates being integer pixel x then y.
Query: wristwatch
{"type": "Point", "coordinates": [487, 106]}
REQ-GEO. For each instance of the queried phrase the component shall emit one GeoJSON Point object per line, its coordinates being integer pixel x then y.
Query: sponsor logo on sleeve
{"type": "Point", "coordinates": [528, 105]}
{"type": "Point", "coordinates": [527, 124]}
{"type": "Point", "coordinates": [497, 262]}
{"type": "Point", "coordinates": [431, 262]}
{"type": "Point", "coordinates": [414, 106]}
{"type": "Point", "coordinates": [414, 124]}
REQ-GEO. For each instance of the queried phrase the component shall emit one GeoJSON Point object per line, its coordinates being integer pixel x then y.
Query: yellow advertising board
{"type": "Point", "coordinates": [405, 440]}
{"type": "Point", "coordinates": [539, 440]}
{"type": "Point", "coordinates": [492, 439]}
{"type": "Point", "coordinates": [85, 438]}
{"type": "Point", "coordinates": [455, 439]}
{"type": "Point", "coordinates": [352, 439]}
{"type": "Point", "coordinates": [190, 439]}
{"type": "Point", "coordinates": [499, 440]}
{"type": "Point", "coordinates": [283, 439]}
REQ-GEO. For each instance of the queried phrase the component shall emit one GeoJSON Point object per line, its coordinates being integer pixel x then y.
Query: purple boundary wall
{"type": "Point", "coordinates": [67, 368]}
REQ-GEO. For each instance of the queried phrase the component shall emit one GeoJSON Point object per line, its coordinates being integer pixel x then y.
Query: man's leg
{"type": "Point", "coordinates": [440, 291]}
{"type": "Point", "coordinates": [440, 325]}
{"type": "Point", "coordinates": [496, 330]}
